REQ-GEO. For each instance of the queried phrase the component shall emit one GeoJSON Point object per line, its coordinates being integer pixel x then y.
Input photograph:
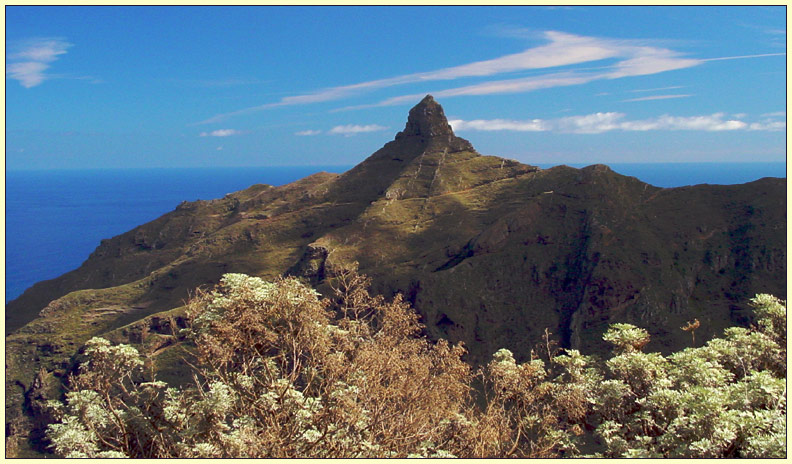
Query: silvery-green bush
{"type": "Point", "coordinates": [283, 373]}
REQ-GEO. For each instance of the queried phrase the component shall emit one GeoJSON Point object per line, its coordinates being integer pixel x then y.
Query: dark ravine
{"type": "Point", "coordinates": [489, 251]}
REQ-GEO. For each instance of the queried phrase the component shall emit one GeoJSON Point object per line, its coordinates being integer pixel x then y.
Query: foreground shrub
{"type": "Point", "coordinates": [724, 399]}
{"type": "Point", "coordinates": [283, 373]}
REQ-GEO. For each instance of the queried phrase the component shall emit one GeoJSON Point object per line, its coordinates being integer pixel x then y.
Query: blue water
{"type": "Point", "coordinates": [55, 219]}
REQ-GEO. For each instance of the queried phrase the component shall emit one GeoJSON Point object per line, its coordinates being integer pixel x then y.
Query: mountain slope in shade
{"type": "Point", "coordinates": [489, 251]}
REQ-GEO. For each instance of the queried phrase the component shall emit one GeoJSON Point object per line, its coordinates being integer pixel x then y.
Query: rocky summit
{"type": "Point", "coordinates": [489, 251]}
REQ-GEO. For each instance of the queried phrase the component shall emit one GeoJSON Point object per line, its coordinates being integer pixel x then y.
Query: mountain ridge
{"type": "Point", "coordinates": [489, 251]}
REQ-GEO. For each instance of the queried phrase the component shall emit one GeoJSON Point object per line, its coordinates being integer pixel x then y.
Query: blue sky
{"type": "Point", "coordinates": [118, 87]}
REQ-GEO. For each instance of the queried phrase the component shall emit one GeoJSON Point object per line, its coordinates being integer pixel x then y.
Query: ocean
{"type": "Point", "coordinates": [56, 218]}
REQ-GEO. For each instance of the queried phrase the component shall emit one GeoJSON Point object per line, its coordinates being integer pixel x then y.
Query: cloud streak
{"type": "Point", "coordinates": [347, 130]}
{"type": "Point", "coordinates": [220, 133]}
{"type": "Point", "coordinates": [656, 89]}
{"type": "Point", "coordinates": [658, 97]}
{"type": "Point", "coordinates": [28, 60]}
{"type": "Point", "coordinates": [563, 49]}
{"type": "Point", "coordinates": [597, 123]}
{"type": "Point", "coordinates": [308, 133]}
{"type": "Point", "coordinates": [741, 57]}
{"type": "Point", "coordinates": [621, 58]}
{"type": "Point", "coordinates": [354, 129]}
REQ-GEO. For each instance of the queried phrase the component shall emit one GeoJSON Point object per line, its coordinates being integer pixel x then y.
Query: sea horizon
{"type": "Point", "coordinates": [55, 218]}
{"type": "Point", "coordinates": [267, 166]}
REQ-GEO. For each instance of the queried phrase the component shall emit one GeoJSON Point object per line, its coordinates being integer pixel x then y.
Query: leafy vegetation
{"type": "Point", "coordinates": [283, 373]}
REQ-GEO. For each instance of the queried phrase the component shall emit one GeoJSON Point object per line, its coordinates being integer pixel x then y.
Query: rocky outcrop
{"type": "Point", "coordinates": [311, 265]}
{"type": "Point", "coordinates": [427, 123]}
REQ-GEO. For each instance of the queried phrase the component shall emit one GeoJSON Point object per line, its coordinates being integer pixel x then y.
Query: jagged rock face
{"type": "Point", "coordinates": [491, 252]}
{"type": "Point", "coordinates": [426, 119]}
{"type": "Point", "coordinates": [427, 122]}
{"type": "Point", "coordinates": [312, 265]}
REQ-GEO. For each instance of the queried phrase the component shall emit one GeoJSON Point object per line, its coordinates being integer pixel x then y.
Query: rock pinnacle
{"type": "Point", "coordinates": [426, 119]}
{"type": "Point", "coordinates": [427, 123]}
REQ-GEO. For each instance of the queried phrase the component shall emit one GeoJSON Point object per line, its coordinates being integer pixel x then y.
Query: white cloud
{"type": "Point", "coordinates": [596, 123]}
{"type": "Point", "coordinates": [714, 122]}
{"type": "Point", "coordinates": [654, 61]}
{"type": "Point", "coordinates": [535, 125]}
{"type": "Point", "coordinates": [656, 89]}
{"type": "Point", "coordinates": [28, 73]}
{"type": "Point", "coordinates": [220, 133]}
{"type": "Point", "coordinates": [633, 58]}
{"type": "Point", "coordinates": [353, 129]}
{"type": "Point", "coordinates": [30, 58]}
{"type": "Point", "coordinates": [562, 49]}
{"type": "Point", "coordinates": [308, 133]}
{"type": "Point", "coordinates": [41, 49]}
{"type": "Point", "coordinates": [744, 56]}
{"type": "Point", "coordinates": [658, 97]}
{"type": "Point", "coordinates": [588, 124]}
{"type": "Point", "coordinates": [775, 31]}
{"type": "Point", "coordinates": [779, 114]}
{"type": "Point", "coordinates": [519, 85]}
{"type": "Point", "coordinates": [526, 84]}
{"type": "Point", "coordinates": [648, 60]}
{"type": "Point", "coordinates": [768, 125]}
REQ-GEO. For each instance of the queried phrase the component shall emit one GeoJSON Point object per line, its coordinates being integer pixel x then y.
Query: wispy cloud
{"type": "Point", "coordinates": [354, 129]}
{"type": "Point", "coordinates": [41, 49]}
{"type": "Point", "coordinates": [645, 60]}
{"type": "Point", "coordinates": [347, 130]}
{"type": "Point", "coordinates": [596, 123]}
{"type": "Point", "coordinates": [29, 59]}
{"type": "Point", "coordinates": [534, 125]}
{"type": "Point", "coordinates": [563, 49]}
{"type": "Point", "coordinates": [658, 97]}
{"type": "Point", "coordinates": [770, 123]}
{"type": "Point", "coordinates": [768, 126]}
{"type": "Point", "coordinates": [653, 61]}
{"type": "Point", "coordinates": [656, 90]}
{"type": "Point", "coordinates": [308, 133]}
{"type": "Point", "coordinates": [777, 36]}
{"type": "Point", "coordinates": [220, 133]}
{"type": "Point", "coordinates": [28, 73]}
{"type": "Point", "coordinates": [526, 84]}
{"type": "Point", "coordinates": [713, 122]}
{"type": "Point", "coordinates": [742, 57]}
{"type": "Point", "coordinates": [632, 58]}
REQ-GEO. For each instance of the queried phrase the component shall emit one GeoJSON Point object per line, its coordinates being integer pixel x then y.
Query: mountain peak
{"type": "Point", "coordinates": [426, 119]}
{"type": "Point", "coordinates": [426, 137]}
